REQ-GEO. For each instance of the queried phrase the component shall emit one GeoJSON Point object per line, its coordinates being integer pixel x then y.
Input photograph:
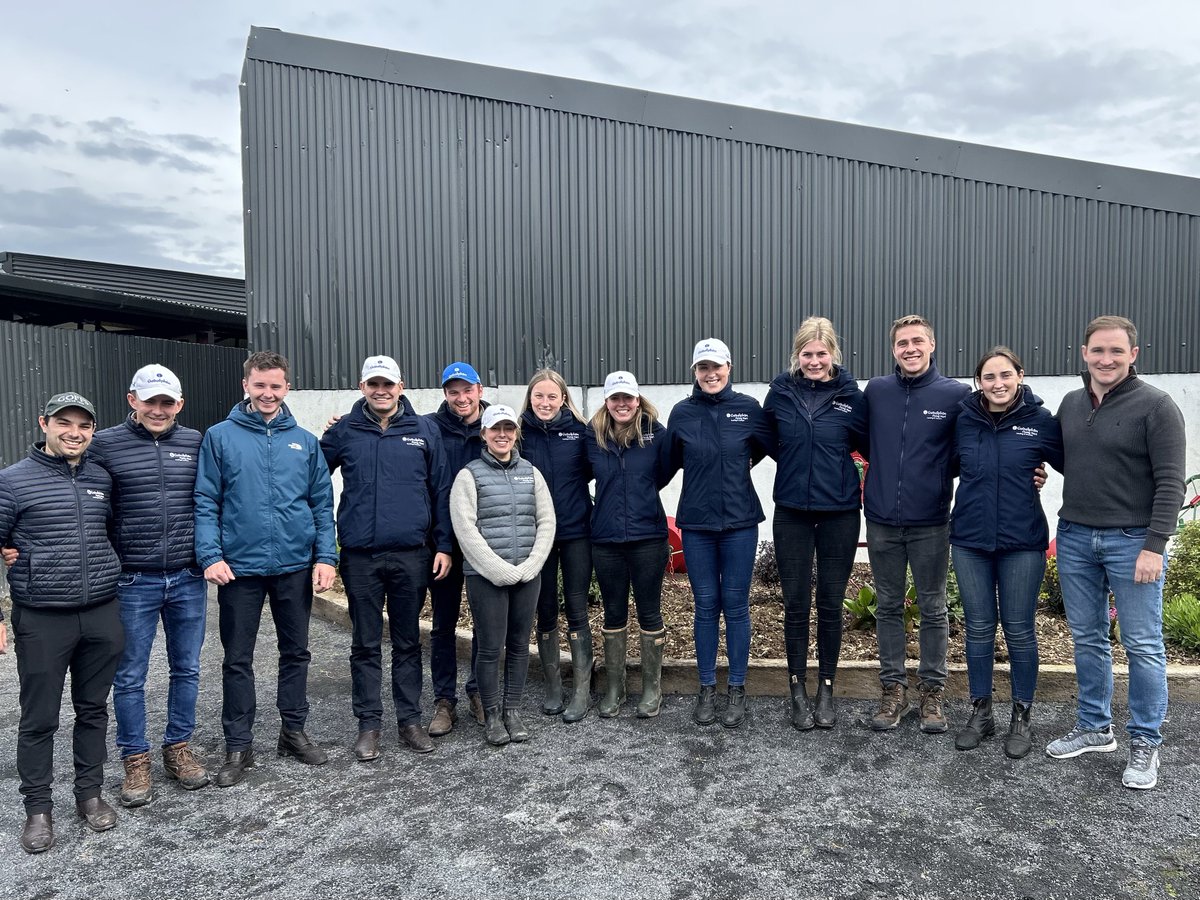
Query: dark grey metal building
{"type": "Point", "coordinates": [440, 210]}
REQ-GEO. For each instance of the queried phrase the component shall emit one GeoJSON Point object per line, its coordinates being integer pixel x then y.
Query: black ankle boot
{"type": "Point", "coordinates": [735, 709]}
{"type": "Point", "coordinates": [494, 730]}
{"type": "Point", "coordinates": [980, 725]}
{"type": "Point", "coordinates": [825, 714]}
{"type": "Point", "coordinates": [1020, 733]}
{"type": "Point", "coordinates": [705, 711]}
{"type": "Point", "coordinates": [802, 713]}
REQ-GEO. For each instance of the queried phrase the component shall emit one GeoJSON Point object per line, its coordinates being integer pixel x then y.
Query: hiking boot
{"type": "Point", "coordinates": [1142, 771]}
{"type": "Point", "coordinates": [184, 766]}
{"type": "Point", "coordinates": [825, 712]}
{"type": "Point", "coordinates": [495, 732]}
{"type": "Point", "coordinates": [802, 713]}
{"type": "Point", "coordinates": [1020, 733]}
{"type": "Point", "coordinates": [981, 725]}
{"type": "Point", "coordinates": [136, 789]}
{"type": "Point", "coordinates": [1078, 741]}
{"type": "Point", "coordinates": [735, 710]}
{"type": "Point", "coordinates": [548, 654]}
{"type": "Point", "coordinates": [705, 712]}
{"type": "Point", "coordinates": [443, 718]}
{"type": "Point", "coordinates": [933, 716]}
{"type": "Point", "coordinates": [581, 672]}
{"type": "Point", "coordinates": [298, 745]}
{"type": "Point", "coordinates": [652, 656]}
{"type": "Point", "coordinates": [476, 705]}
{"type": "Point", "coordinates": [893, 707]}
{"type": "Point", "coordinates": [616, 642]}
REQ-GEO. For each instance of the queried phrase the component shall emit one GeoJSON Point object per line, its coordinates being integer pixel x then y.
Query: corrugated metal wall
{"type": "Point", "coordinates": [437, 225]}
{"type": "Point", "coordinates": [37, 362]}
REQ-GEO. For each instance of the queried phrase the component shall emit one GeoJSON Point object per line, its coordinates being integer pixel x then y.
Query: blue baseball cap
{"type": "Point", "coordinates": [460, 371]}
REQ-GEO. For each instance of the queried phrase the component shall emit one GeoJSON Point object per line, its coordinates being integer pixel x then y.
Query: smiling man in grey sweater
{"type": "Point", "coordinates": [1122, 488]}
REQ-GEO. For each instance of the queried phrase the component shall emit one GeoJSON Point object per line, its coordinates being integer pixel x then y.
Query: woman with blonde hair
{"type": "Point", "coordinates": [553, 438]}
{"type": "Point", "coordinates": [629, 536]}
{"type": "Point", "coordinates": [818, 416]}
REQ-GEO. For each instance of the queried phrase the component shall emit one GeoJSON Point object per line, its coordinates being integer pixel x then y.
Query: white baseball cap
{"type": "Point", "coordinates": [155, 381]}
{"type": "Point", "coordinates": [621, 383]}
{"type": "Point", "coordinates": [381, 367]}
{"type": "Point", "coordinates": [711, 350]}
{"type": "Point", "coordinates": [496, 414]}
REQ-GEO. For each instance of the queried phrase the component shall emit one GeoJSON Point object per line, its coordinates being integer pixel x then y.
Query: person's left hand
{"type": "Point", "coordinates": [441, 566]}
{"type": "Point", "coordinates": [10, 555]}
{"type": "Point", "coordinates": [1149, 567]}
{"type": "Point", "coordinates": [1039, 477]}
{"type": "Point", "coordinates": [3, 638]}
{"type": "Point", "coordinates": [323, 574]}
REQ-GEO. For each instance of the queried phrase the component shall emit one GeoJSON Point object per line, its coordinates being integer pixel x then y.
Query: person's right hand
{"type": "Point", "coordinates": [219, 573]}
{"type": "Point", "coordinates": [333, 420]}
{"type": "Point", "coordinates": [10, 555]}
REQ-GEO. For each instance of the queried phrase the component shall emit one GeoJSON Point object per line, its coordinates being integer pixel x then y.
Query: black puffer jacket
{"type": "Point", "coordinates": [153, 482]}
{"type": "Point", "coordinates": [57, 518]}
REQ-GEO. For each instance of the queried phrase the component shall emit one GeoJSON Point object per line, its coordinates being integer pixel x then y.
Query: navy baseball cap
{"type": "Point", "coordinates": [460, 371]}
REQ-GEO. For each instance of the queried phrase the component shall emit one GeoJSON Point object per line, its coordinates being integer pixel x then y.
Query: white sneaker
{"type": "Point", "coordinates": [1078, 741]}
{"type": "Point", "coordinates": [1142, 771]}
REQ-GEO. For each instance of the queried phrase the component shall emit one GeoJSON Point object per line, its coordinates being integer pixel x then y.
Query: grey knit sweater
{"type": "Point", "coordinates": [1124, 460]}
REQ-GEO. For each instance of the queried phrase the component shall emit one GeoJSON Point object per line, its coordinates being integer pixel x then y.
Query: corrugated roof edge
{"type": "Point", "coordinates": [940, 156]}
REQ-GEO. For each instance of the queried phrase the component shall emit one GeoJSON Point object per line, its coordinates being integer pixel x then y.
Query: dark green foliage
{"type": "Point", "coordinates": [1181, 620]}
{"type": "Point", "coordinates": [1050, 594]}
{"type": "Point", "coordinates": [1183, 562]}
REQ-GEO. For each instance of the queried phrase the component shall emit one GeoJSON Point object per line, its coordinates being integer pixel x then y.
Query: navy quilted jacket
{"type": "Point", "coordinates": [58, 519]}
{"type": "Point", "coordinates": [153, 481]}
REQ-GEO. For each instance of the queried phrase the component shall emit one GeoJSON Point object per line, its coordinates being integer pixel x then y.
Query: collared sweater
{"type": "Point", "coordinates": [1124, 460]}
{"type": "Point", "coordinates": [503, 518]}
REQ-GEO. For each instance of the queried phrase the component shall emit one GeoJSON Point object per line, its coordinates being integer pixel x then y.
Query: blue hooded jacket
{"type": "Point", "coordinates": [627, 483]}
{"type": "Point", "coordinates": [911, 426]}
{"type": "Point", "coordinates": [715, 439]}
{"type": "Point", "coordinates": [264, 501]}
{"type": "Point", "coordinates": [557, 449]}
{"type": "Point", "coordinates": [997, 506]}
{"type": "Point", "coordinates": [395, 483]}
{"type": "Point", "coordinates": [814, 440]}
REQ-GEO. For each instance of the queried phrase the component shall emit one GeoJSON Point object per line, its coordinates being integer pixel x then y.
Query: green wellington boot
{"type": "Point", "coordinates": [615, 646]}
{"type": "Point", "coordinates": [581, 668]}
{"type": "Point", "coordinates": [652, 657]}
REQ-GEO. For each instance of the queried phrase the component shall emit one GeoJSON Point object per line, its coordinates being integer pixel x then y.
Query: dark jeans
{"type": "Point", "coordinates": [241, 605]}
{"type": "Point", "coordinates": [49, 643]}
{"type": "Point", "coordinates": [639, 565]}
{"type": "Point", "coordinates": [833, 537]}
{"type": "Point", "coordinates": [1007, 581]}
{"type": "Point", "coordinates": [574, 558]}
{"type": "Point", "coordinates": [445, 601]}
{"type": "Point", "coordinates": [503, 619]}
{"type": "Point", "coordinates": [926, 550]}
{"type": "Point", "coordinates": [180, 600]}
{"type": "Point", "coordinates": [720, 564]}
{"type": "Point", "coordinates": [397, 579]}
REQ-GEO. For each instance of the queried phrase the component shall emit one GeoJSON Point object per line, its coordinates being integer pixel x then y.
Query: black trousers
{"type": "Point", "coordinates": [503, 619]}
{"type": "Point", "coordinates": [637, 564]}
{"type": "Point", "coordinates": [574, 559]}
{"type": "Point", "coordinates": [445, 602]}
{"type": "Point", "coordinates": [396, 578]}
{"type": "Point", "coordinates": [49, 643]}
{"type": "Point", "coordinates": [241, 605]}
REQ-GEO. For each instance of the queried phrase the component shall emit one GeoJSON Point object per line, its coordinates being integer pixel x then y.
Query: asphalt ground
{"type": "Point", "coordinates": [618, 808]}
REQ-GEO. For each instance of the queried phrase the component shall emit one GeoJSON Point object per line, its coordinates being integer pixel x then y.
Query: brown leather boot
{"type": "Point", "coordinates": [184, 766]}
{"type": "Point", "coordinates": [136, 789]}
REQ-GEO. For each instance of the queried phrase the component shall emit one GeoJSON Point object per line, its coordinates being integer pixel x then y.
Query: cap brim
{"type": "Point", "coordinates": [144, 394]}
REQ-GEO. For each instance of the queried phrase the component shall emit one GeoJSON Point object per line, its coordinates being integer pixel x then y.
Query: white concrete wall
{"type": "Point", "coordinates": [313, 409]}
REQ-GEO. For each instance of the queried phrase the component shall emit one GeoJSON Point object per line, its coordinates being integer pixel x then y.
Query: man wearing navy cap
{"type": "Point", "coordinates": [55, 506]}
{"type": "Point", "coordinates": [458, 421]}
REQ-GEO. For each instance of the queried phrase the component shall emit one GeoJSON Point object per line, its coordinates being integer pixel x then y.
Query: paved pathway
{"type": "Point", "coordinates": [620, 808]}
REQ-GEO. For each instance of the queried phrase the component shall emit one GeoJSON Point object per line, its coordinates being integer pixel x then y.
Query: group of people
{"type": "Point", "coordinates": [109, 532]}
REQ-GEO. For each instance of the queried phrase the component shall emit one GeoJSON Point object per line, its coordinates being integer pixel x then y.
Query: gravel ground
{"type": "Point", "coordinates": [620, 808]}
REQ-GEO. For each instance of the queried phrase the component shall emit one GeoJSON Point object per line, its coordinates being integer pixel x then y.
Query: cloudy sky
{"type": "Point", "coordinates": [119, 122]}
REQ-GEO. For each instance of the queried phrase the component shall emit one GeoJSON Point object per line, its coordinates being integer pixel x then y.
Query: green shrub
{"type": "Point", "coordinates": [1050, 593]}
{"type": "Point", "coordinates": [766, 567]}
{"type": "Point", "coordinates": [1183, 562]}
{"type": "Point", "coordinates": [1181, 620]}
{"type": "Point", "coordinates": [861, 608]}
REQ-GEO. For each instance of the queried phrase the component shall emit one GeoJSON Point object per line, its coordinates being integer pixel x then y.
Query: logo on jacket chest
{"type": "Point", "coordinates": [569, 435]}
{"type": "Point", "coordinates": [935, 415]}
{"type": "Point", "coordinates": [1025, 430]}
{"type": "Point", "coordinates": [842, 407]}
{"type": "Point", "coordinates": [181, 457]}
{"type": "Point", "coordinates": [522, 479]}
{"type": "Point", "coordinates": [737, 417]}
{"type": "Point", "coordinates": [96, 495]}
{"type": "Point", "coordinates": [414, 441]}
{"type": "Point", "coordinates": [296, 446]}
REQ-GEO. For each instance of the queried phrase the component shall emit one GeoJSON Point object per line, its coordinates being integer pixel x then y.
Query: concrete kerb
{"type": "Point", "coordinates": [856, 680]}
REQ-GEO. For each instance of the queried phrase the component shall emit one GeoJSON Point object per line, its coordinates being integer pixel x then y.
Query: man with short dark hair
{"type": "Point", "coordinates": [393, 521]}
{"type": "Point", "coordinates": [458, 421]}
{"type": "Point", "coordinates": [911, 417]}
{"type": "Point", "coordinates": [1125, 447]}
{"type": "Point", "coordinates": [55, 508]}
{"type": "Point", "coordinates": [264, 530]}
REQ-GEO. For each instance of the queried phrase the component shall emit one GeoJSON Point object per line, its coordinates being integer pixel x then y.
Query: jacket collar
{"type": "Point", "coordinates": [141, 431]}
{"type": "Point", "coordinates": [930, 374]}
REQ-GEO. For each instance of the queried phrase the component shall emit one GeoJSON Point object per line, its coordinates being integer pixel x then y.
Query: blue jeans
{"type": "Point", "coordinates": [719, 565]}
{"type": "Point", "coordinates": [893, 551]}
{"type": "Point", "coordinates": [1091, 562]}
{"type": "Point", "coordinates": [180, 600]}
{"type": "Point", "coordinates": [1007, 581]}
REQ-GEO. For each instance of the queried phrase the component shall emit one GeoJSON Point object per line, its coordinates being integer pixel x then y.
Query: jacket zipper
{"type": "Point", "coordinates": [83, 541]}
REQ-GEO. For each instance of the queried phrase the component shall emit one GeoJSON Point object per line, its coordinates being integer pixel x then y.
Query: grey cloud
{"type": "Point", "coordinates": [217, 85]}
{"type": "Point", "coordinates": [24, 139]}
{"type": "Point", "coordinates": [139, 152]}
{"type": "Point", "coordinates": [111, 125]}
{"type": "Point", "coordinates": [194, 143]}
{"type": "Point", "coordinates": [118, 138]}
